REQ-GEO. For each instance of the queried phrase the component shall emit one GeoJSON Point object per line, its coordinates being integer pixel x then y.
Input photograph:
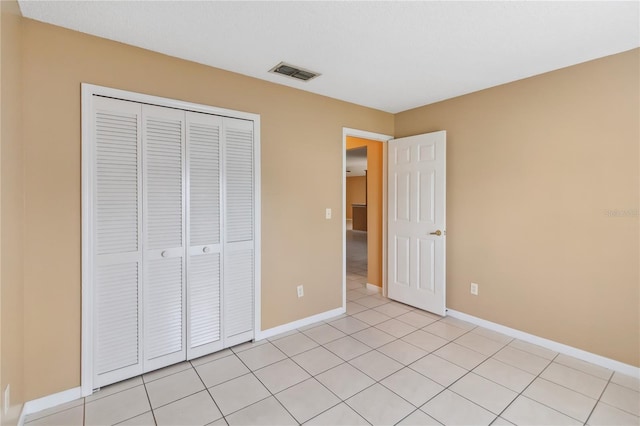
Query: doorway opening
{"type": "Point", "coordinates": [356, 217]}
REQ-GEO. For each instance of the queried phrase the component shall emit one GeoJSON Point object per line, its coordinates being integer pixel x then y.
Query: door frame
{"type": "Point", "coordinates": [87, 169]}
{"type": "Point", "coordinates": [378, 137]}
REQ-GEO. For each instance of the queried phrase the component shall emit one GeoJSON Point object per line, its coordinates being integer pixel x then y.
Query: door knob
{"type": "Point", "coordinates": [164, 253]}
{"type": "Point", "coordinates": [205, 249]}
{"type": "Point", "coordinates": [438, 233]}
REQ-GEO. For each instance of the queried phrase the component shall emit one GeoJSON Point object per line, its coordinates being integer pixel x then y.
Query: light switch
{"type": "Point", "coordinates": [327, 214]}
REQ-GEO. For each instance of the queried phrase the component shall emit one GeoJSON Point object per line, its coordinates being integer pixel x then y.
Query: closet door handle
{"type": "Point", "coordinates": [206, 249]}
{"type": "Point", "coordinates": [164, 253]}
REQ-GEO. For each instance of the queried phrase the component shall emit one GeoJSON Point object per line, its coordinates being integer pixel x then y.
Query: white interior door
{"type": "Point", "coordinates": [116, 227]}
{"type": "Point", "coordinates": [204, 267]}
{"type": "Point", "coordinates": [417, 221]}
{"type": "Point", "coordinates": [164, 208]}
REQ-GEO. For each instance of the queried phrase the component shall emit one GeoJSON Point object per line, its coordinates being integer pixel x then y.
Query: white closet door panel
{"type": "Point", "coordinates": [204, 224]}
{"type": "Point", "coordinates": [238, 292]}
{"type": "Point", "coordinates": [164, 254]}
{"type": "Point", "coordinates": [163, 328]}
{"type": "Point", "coordinates": [116, 317]}
{"type": "Point", "coordinates": [163, 150]}
{"type": "Point", "coordinates": [204, 301]}
{"type": "Point", "coordinates": [117, 229]}
{"type": "Point", "coordinates": [238, 156]}
{"type": "Point", "coordinates": [203, 142]}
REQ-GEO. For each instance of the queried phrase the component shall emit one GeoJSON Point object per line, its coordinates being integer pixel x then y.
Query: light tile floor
{"type": "Point", "coordinates": [381, 363]}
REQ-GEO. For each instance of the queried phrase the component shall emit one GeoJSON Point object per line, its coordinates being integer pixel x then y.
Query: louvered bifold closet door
{"type": "Point", "coordinates": [238, 149]}
{"type": "Point", "coordinates": [204, 237]}
{"type": "Point", "coordinates": [165, 240]}
{"type": "Point", "coordinates": [116, 240]}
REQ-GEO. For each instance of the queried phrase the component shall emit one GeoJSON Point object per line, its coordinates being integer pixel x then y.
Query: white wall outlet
{"type": "Point", "coordinates": [300, 291]}
{"type": "Point", "coordinates": [327, 214]}
{"type": "Point", "coordinates": [7, 399]}
{"type": "Point", "coordinates": [474, 289]}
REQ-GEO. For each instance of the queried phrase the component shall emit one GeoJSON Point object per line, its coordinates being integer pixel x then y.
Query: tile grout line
{"type": "Point", "coordinates": [599, 398]}
{"type": "Point", "coordinates": [207, 389]}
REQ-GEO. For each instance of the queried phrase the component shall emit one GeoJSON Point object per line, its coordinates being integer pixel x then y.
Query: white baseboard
{"type": "Point", "coordinates": [374, 287]}
{"type": "Point", "coordinates": [609, 363]}
{"type": "Point", "coordinates": [264, 334]}
{"type": "Point", "coordinates": [49, 401]}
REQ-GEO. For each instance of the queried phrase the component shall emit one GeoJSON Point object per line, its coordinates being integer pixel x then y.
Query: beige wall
{"type": "Point", "coordinates": [299, 246]}
{"type": "Point", "coordinates": [533, 167]}
{"type": "Point", "coordinates": [355, 193]}
{"type": "Point", "coordinates": [374, 206]}
{"type": "Point", "coordinates": [11, 210]}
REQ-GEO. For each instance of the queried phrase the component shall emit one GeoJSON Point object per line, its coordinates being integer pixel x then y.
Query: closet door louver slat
{"type": "Point", "coordinates": [117, 229]}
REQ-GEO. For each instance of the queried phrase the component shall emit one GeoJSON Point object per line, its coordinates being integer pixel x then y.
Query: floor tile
{"type": "Point", "coordinates": [261, 356]}
{"type": "Point", "coordinates": [416, 319]}
{"type": "Point", "coordinates": [324, 334]}
{"type": "Point", "coordinates": [211, 357]}
{"type": "Point", "coordinates": [584, 366]}
{"type": "Point", "coordinates": [626, 381]}
{"type": "Point", "coordinates": [371, 317]}
{"type": "Point", "coordinates": [166, 371]}
{"type": "Point", "coordinates": [295, 344]}
{"type": "Point", "coordinates": [54, 410]}
{"type": "Point", "coordinates": [425, 341]}
{"type": "Point", "coordinates": [576, 380]}
{"type": "Point", "coordinates": [373, 337]}
{"type": "Point", "coordinates": [238, 393]}
{"type": "Point", "coordinates": [281, 375]}
{"type": "Point", "coordinates": [219, 422]}
{"type": "Point", "coordinates": [483, 392]}
{"type": "Point", "coordinates": [198, 410]}
{"type": "Point", "coordinates": [352, 285]}
{"type": "Point", "coordinates": [340, 415]}
{"type": "Point", "coordinates": [396, 328]}
{"type": "Point", "coordinates": [266, 412]}
{"type": "Point", "coordinates": [117, 407]}
{"type": "Point", "coordinates": [372, 301]}
{"type": "Point", "coordinates": [349, 325]}
{"type": "Point", "coordinates": [504, 374]}
{"type": "Point", "coordinates": [501, 422]}
{"type": "Point", "coordinates": [559, 398]}
{"type": "Point", "coordinates": [419, 418]}
{"type": "Point", "coordinates": [307, 399]}
{"type": "Point", "coordinates": [479, 343]}
{"type": "Point", "coordinates": [345, 380]}
{"type": "Point", "coordinates": [444, 330]}
{"type": "Point", "coordinates": [533, 349]}
{"type": "Point", "coordinates": [459, 355]}
{"type": "Point", "coordinates": [376, 365]}
{"type": "Point", "coordinates": [379, 406]}
{"type": "Point", "coordinates": [412, 386]}
{"type": "Point", "coordinates": [353, 308]}
{"type": "Point", "coordinates": [171, 388]}
{"type": "Point", "coordinates": [402, 351]}
{"type": "Point", "coordinates": [223, 369]}
{"type": "Point", "coordinates": [392, 309]}
{"type": "Point", "coordinates": [115, 388]}
{"type": "Point", "coordinates": [524, 411]}
{"type": "Point", "coordinates": [69, 417]}
{"type": "Point", "coordinates": [283, 335]}
{"type": "Point", "coordinates": [317, 360]}
{"type": "Point", "coordinates": [310, 326]}
{"type": "Point", "coordinates": [606, 415]}
{"type": "Point", "coordinates": [144, 419]}
{"type": "Point", "coordinates": [522, 360]}
{"type": "Point", "coordinates": [438, 369]}
{"type": "Point", "coordinates": [347, 348]}
{"type": "Point", "coordinates": [451, 409]}
{"type": "Point", "coordinates": [353, 295]}
{"type": "Point", "coordinates": [623, 398]}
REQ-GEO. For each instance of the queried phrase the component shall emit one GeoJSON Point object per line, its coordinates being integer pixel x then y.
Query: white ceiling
{"type": "Point", "coordinates": [391, 56]}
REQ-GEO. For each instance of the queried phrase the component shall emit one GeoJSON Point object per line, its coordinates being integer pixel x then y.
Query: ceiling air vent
{"type": "Point", "coordinates": [294, 72]}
